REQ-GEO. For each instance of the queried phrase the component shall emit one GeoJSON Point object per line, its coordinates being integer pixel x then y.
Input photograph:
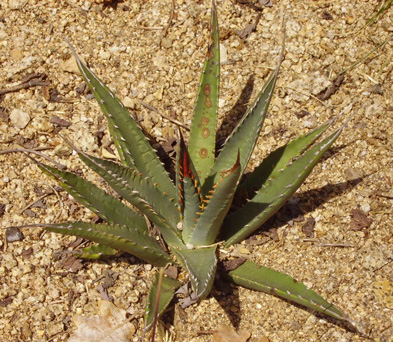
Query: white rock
{"type": "Point", "coordinates": [308, 124]}
{"type": "Point", "coordinates": [223, 54]}
{"type": "Point", "coordinates": [19, 118]}
{"type": "Point", "coordinates": [105, 54]}
{"type": "Point", "coordinates": [128, 102]}
{"type": "Point", "coordinates": [3, 34]}
{"type": "Point", "coordinates": [69, 65]}
{"type": "Point", "coordinates": [16, 4]}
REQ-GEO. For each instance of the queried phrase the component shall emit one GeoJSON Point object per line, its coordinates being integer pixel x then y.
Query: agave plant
{"type": "Point", "coordinates": [193, 214]}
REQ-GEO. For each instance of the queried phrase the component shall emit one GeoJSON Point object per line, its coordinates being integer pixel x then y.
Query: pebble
{"type": "Point", "coordinates": [69, 65]}
{"type": "Point", "coordinates": [19, 118]}
{"type": "Point", "coordinates": [223, 54]}
{"type": "Point", "coordinates": [16, 54]}
{"type": "Point", "coordinates": [166, 43]}
{"type": "Point", "coordinates": [129, 102]}
{"type": "Point", "coordinates": [104, 55]}
{"type": "Point", "coordinates": [16, 4]}
{"type": "Point", "coordinates": [13, 234]}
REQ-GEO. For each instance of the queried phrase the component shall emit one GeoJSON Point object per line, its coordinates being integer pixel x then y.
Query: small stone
{"type": "Point", "coordinates": [223, 54]}
{"type": "Point", "coordinates": [107, 155]}
{"type": "Point", "coordinates": [128, 102]}
{"type": "Point", "coordinates": [19, 118]}
{"type": "Point", "coordinates": [166, 43]}
{"type": "Point", "coordinates": [16, 54]}
{"type": "Point", "coordinates": [13, 234]}
{"type": "Point", "coordinates": [42, 125]}
{"type": "Point", "coordinates": [105, 55]}
{"type": "Point", "coordinates": [69, 65]}
{"type": "Point", "coordinates": [16, 4]}
{"type": "Point", "coordinates": [308, 124]}
{"type": "Point", "coordinates": [158, 93]}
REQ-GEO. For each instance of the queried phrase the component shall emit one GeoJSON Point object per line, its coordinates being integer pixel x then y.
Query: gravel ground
{"type": "Point", "coordinates": [345, 255]}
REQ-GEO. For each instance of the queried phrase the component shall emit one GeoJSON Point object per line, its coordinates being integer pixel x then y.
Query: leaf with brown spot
{"type": "Point", "coordinates": [228, 334]}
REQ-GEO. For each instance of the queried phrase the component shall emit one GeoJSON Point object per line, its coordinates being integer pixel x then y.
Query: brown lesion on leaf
{"type": "Point", "coordinates": [204, 120]}
{"type": "Point", "coordinates": [210, 51]}
{"type": "Point", "coordinates": [203, 152]}
{"type": "Point", "coordinates": [205, 132]}
{"type": "Point", "coordinates": [208, 102]}
{"type": "Point", "coordinates": [206, 89]}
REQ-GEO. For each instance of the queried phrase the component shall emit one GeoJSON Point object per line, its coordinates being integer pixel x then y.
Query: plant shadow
{"type": "Point", "coordinates": [300, 204]}
{"type": "Point", "coordinates": [235, 114]}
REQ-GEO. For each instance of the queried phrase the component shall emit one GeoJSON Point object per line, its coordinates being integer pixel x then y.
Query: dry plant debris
{"type": "Point", "coordinates": [107, 325]}
{"type": "Point", "coordinates": [228, 334]}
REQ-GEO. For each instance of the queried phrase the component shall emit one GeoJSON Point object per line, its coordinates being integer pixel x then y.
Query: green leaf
{"type": "Point", "coordinates": [245, 135]}
{"type": "Point", "coordinates": [96, 252]}
{"type": "Point", "coordinates": [260, 278]}
{"type": "Point", "coordinates": [189, 190]}
{"type": "Point", "coordinates": [140, 192]}
{"type": "Point", "coordinates": [131, 143]}
{"type": "Point", "coordinates": [204, 123]}
{"type": "Point", "coordinates": [278, 159]}
{"type": "Point", "coordinates": [201, 264]}
{"type": "Point", "coordinates": [272, 196]}
{"type": "Point", "coordinates": [123, 238]}
{"type": "Point", "coordinates": [209, 223]}
{"type": "Point", "coordinates": [165, 294]}
{"type": "Point", "coordinates": [97, 200]}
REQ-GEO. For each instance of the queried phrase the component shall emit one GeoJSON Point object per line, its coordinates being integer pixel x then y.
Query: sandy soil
{"type": "Point", "coordinates": [344, 257]}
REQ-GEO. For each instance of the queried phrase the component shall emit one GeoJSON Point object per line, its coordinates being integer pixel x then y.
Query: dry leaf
{"type": "Point", "coordinates": [326, 93]}
{"type": "Point", "coordinates": [109, 325]}
{"type": "Point", "coordinates": [308, 227]}
{"type": "Point", "coordinates": [359, 220]}
{"type": "Point", "coordinates": [228, 334]}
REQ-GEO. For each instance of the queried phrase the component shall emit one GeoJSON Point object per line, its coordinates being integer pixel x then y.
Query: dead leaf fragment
{"type": "Point", "coordinates": [110, 324]}
{"type": "Point", "coordinates": [243, 34]}
{"type": "Point", "coordinates": [230, 265]}
{"type": "Point", "coordinates": [228, 334]}
{"type": "Point", "coordinates": [59, 121]}
{"type": "Point", "coordinates": [109, 279]}
{"type": "Point", "coordinates": [327, 93]}
{"type": "Point", "coordinates": [359, 220]}
{"type": "Point", "coordinates": [70, 263]}
{"type": "Point", "coordinates": [308, 227]}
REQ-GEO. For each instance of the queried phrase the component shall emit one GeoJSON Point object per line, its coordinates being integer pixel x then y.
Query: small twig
{"type": "Point", "coordinates": [307, 94]}
{"type": "Point", "coordinates": [385, 264]}
{"type": "Point", "coordinates": [36, 201]}
{"type": "Point", "coordinates": [166, 117]}
{"type": "Point", "coordinates": [60, 201]}
{"type": "Point", "coordinates": [343, 245]}
{"type": "Point", "coordinates": [169, 22]}
{"type": "Point", "coordinates": [367, 55]}
{"type": "Point", "coordinates": [152, 28]}
{"type": "Point", "coordinates": [328, 244]}
{"type": "Point", "coordinates": [27, 150]}
{"type": "Point", "coordinates": [384, 196]}
{"type": "Point", "coordinates": [35, 82]}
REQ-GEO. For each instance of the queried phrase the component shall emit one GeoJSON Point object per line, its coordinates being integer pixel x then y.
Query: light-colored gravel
{"type": "Point", "coordinates": [39, 297]}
